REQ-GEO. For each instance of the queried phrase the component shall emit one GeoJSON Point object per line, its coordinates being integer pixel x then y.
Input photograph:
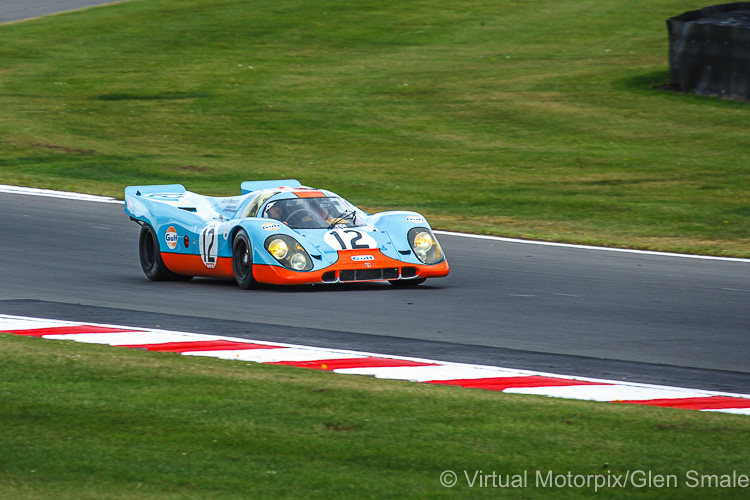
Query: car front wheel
{"type": "Point", "coordinates": [242, 260]}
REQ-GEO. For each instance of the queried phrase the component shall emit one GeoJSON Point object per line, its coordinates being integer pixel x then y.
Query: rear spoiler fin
{"type": "Point", "coordinates": [250, 186]}
{"type": "Point", "coordinates": [155, 189]}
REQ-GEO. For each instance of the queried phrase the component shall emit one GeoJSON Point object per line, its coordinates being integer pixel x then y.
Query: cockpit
{"type": "Point", "coordinates": [314, 213]}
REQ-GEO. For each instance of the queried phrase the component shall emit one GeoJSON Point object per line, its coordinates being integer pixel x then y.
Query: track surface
{"type": "Point", "coordinates": [17, 10]}
{"type": "Point", "coordinates": [589, 312]}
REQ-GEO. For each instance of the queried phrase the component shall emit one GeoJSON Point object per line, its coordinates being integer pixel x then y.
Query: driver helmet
{"type": "Point", "coordinates": [323, 207]}
{"type": "Point", "coordinates": [275, 210]}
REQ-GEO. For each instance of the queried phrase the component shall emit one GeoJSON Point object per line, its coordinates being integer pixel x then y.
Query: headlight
{"type": "Point", "coordinates": [425, 245]}
{"type": "Point", "coordinates": [288, 252]}
{"type": "Point", "coordinates": [298, 261]}
{"type": "Point", "coordinates": [278, 248]}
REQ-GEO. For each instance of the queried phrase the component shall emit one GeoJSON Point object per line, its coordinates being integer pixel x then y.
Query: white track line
{"type": "Point", "coordinates": [49, 193]}
{"type": "Point", "coordinates": [589, 247]}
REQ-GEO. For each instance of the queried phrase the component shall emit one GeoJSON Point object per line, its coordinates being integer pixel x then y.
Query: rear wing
{"type": "Point", "coordinates": [173, 201]}
{"type": "Point", "coordinates": [154, 189]}
{"type": "Point", "coordinates": [250, 186]}
{"type": "Point", "coordinates": [142, 201]}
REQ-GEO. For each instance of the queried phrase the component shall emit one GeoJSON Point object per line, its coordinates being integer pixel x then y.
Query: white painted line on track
{"type": "Point", "coordinates": [616, 392]}
{"type": "Point", "coordinates": [590, 247]}
{"type": "Point", "coordinates": [127, 338]}
{"type": "Point", "coordinates": [4, 188]}
{"type": "Point", "coordinates": [735, 411]}
{"type": "Point", "coordinates": [49, 193]}
{"type": "Point", "coordinates": [425, 373]}
{"type": "Point", "coordinates": [300, 353]}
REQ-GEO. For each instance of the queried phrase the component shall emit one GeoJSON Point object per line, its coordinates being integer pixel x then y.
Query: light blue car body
{"type": "Point", "coordinates": [187, 223]}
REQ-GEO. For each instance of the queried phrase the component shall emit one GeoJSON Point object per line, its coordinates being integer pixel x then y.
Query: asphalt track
{"type": "Point", "coordinates": [638, 317]}
{"type": "Point", "coordinates": [17, 10]}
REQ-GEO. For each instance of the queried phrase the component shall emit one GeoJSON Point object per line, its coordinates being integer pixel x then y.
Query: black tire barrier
{"type": "Point", "coordinates": [709, 51]}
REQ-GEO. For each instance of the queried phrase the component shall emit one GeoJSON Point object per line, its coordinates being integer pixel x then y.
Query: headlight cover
{"type": "Point", "coordinates": [288, 252]}
{"type": "Point", "coordinates": [425, 245]}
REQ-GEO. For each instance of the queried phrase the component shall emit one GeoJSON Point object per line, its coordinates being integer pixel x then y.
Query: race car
{"type": "Point", "coordinates": [278, 232]}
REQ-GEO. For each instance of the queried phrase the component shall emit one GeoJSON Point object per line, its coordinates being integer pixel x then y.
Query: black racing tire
{"type": "Point", "coordinates": [242, 260]}
{"type": "Point", "coordinates": [149, 254]}
{"type": "Point", "coordinates": [407, 283]}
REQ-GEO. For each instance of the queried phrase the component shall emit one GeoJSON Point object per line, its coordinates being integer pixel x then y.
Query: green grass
{"type": "Point", "coordinates": [534, 119]}
{"type": "Point", "coordinates": [84, 421]}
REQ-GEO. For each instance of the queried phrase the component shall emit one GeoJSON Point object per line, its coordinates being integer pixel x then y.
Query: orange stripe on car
{"type": "Point", "coordinates": [304, 192]}
{"type": "Point", "coordinates": [192, 265]}
{"type": "Point", "coordinates": [278, 275]}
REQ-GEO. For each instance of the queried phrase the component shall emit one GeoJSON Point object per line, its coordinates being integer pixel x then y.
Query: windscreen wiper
{"type": "Point", "coordinates": [345, 215]}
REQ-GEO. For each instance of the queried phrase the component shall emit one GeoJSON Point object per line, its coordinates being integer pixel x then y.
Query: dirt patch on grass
{"type": "Point", "coordinates": [65, 149]}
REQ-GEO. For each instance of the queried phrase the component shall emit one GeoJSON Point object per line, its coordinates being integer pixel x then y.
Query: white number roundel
{"type": "Point", "coordinates": [208, 243]}
{"type": "Point", "coordinates": [349, 239]}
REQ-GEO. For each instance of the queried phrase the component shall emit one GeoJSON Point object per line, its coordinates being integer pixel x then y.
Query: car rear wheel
{"type": "Point", "coordinates": [242, 260]}
{"type": "Point", "coordinates": [150, 256]}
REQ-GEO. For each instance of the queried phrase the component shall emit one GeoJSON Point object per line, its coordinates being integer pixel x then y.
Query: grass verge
{"type": "Point", "coordinates": [88, 421]}
{"type": "Point", "coordinates": [532, 119]}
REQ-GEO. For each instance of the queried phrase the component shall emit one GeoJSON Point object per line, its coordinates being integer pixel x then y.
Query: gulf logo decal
{"type": "Point", "coordinates": [171, 237]}
{"type": "Point", "coordinates": [270, 226]}
{"type": "Point", "coordinates": [360, 258]}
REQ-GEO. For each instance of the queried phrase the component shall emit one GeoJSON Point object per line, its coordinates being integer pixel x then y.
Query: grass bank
{"type": "Point", "coordinates": [533, 119]}
{"type": "Point", "coordinates": [86, 421]}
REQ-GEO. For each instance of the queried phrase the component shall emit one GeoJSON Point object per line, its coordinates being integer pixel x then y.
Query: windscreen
{"type": "Point", "coordinates": [314, 213]}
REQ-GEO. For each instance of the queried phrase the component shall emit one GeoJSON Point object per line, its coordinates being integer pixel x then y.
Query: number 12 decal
{"type": "Point", "coordinates": [209, 247]}
{"type": "Point", "coordinates": [349, 239]}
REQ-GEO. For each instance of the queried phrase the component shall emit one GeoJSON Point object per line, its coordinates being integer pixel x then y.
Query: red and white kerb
{"type": "Point", "coordinates": [379, 366]}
